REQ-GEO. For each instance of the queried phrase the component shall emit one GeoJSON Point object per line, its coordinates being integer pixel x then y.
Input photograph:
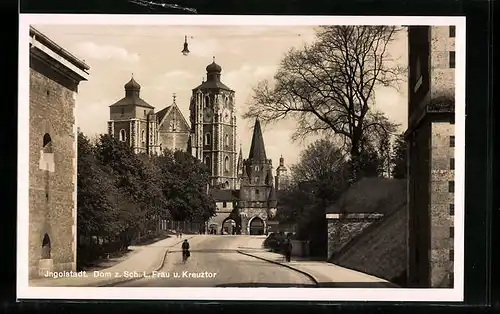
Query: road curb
{"type": "Point", "coordinates": [112, 283]}
{"type": "Point", "coordinates": [168, 251]}
{"type": "Point", "coordinates": [316, 281]}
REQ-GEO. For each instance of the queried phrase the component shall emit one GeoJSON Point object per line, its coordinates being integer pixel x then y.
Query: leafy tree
{"type": "Point", "coordinates": [399, 158]}
{"type": "Point", "coordinates": [329, 86]}
{"type": "Point", "coordinates": [317, 181]}
{"type": "Point", "coordinates": [184, 184]}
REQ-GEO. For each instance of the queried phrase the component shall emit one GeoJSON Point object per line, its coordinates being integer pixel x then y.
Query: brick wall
{"type": "Point", "coordinates": [51, 192]}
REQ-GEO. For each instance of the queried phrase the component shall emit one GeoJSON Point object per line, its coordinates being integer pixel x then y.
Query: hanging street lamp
{"type": "Point", "coordinates": [185, 51]}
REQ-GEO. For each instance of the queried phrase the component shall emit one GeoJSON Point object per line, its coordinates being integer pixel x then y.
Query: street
{"type": "Point", "coordinates": [215, 262]}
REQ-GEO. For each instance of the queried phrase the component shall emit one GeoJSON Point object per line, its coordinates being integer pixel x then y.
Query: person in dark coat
{"type": "Point", "coordinates": [185, 250]}
{"type": "Point", "coordinates": [287, 249]}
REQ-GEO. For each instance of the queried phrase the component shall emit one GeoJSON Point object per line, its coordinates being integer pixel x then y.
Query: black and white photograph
{"type": "Point", "coordinates": [319, 157]}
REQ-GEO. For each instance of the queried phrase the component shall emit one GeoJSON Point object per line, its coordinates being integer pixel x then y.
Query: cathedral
{"type": "Point", "coordinates": [210, 135]}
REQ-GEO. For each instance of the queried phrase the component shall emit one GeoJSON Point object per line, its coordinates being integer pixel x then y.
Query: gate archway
{"type": "Point", "coordinates": [257, 226]}
{"type": "Point", "coordinates": [228, 226]}
{"type": "Point", "coordinates": [46, 247]}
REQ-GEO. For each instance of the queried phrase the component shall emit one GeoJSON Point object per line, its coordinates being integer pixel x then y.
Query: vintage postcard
{"type": "Point", "coordinates": [241, 157]}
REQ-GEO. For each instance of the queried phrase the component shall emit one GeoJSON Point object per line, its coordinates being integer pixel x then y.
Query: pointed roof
{"type": "Point", "coordinates": [257, 149]}
{"type": "Point", "coordinates": [132, 85]}
{"type": "Point", "coordinates": [132, 97]}
{"type": "Point", "coordinates": [213, 78]}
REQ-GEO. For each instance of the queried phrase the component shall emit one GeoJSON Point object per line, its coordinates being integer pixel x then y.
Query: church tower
{"type": "Point", "coordinates": [282, 177]}
{"type": "Point", "coordinates": [132, 120]}
{"type": "Point", "coordinates": [213, 128]}
{"type": "Point", "coordinates": [257, 197]}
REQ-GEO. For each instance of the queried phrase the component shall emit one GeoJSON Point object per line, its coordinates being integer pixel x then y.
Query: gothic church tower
{"type": "Point", "coordinates": [213, 128]}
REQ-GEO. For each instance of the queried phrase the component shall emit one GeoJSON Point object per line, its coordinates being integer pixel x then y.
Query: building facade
{"type": "Point", "coordinates": [134, 121]}
{"type": "Point", "coordinates": [213, 128]}
{"type": "Point", "coordinates": [431, 161]}
{"type": "Point", "coordinates": [54, 78]}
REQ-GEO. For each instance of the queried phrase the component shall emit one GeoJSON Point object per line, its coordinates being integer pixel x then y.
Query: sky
{"type": "Point", "coordinates": [152, 54]}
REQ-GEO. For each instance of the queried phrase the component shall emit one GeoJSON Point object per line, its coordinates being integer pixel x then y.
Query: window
{"type": "Point", "coordinates": [207, 101]}
{"type": "Point", "coordinates": [224, 204]}
{"type": "Point", "coordinates": [226, 139]}
{"type": "Point", "coordinates": [452, 163]}
{"type": "Point", "coordinates": [226, 164]}
{"type": "Point", "coordinates": [451, 186]}
{"type": "Point", "coordinates": [256, 179]}
{"type": "Point", "coordinates": [122, 111]}
{"type": "Point", "coordinates": [452, 31]}
{"type": "Point", "coordinates": [47, 143]}
{"type": "Point", "coordinates": [227, 184]}
{"type": "Point", "coordinates": [452, 255]}
{"type": "Point", "coordinates": [123, 136]}
{"type": "Point", "coordinates": [207, 139]}
{"type": "Point", "coordinates": [452, 232]}
{"type": "Point", "coordinates": [452, 141]}
{"type": "Point", "coordinates": [145, 113]}
{"type": "Point", "coordinates": [257, 192]}
{"type": "Point", "coordinates": [143, 136]}
{"type": "Point", "coordinates": [452, 209]}
{"type": "Point", "coordinates": [452, 59]}
{"type": "Point", "coordinates": [256, 168]}
{"type": "Point", "coordinates": [207, 161]}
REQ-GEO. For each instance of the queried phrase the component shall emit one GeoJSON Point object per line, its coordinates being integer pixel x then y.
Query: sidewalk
{"type": "Point", "coordinates": [143, 259]}
{"type": "Point", "coordinates": [323, 273]}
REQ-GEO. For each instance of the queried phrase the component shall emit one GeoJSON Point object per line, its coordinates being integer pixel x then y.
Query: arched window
{"type": "Point", "coordinates": [207, 161]}
{"type": "Point", "coordinates": [226, 140]}
{"type": "Point", "coordinates": [207, 101]}
{"type": "Point", "coordinates": [226, 164]}
{"type": "Point", "coordinates": [46, 247]}
{"type": "Point", "coordinates": [123, 136]}
{"type": "Point", "coordinates": [207, 138]}
{"type": "Point", "coordinates": [257, 192]}
{"type": "Point", "coordinates": [47, 143]}
{"type": "Point", "coordinates": [227, 184]}
{"type": "Point", "coordinates": [256, 168]}
{"type": "Point", "coordinates": [256, 179]}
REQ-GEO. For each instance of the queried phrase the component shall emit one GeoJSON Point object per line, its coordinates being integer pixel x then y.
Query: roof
{"type": "Point", "coordinates": [161, 114]}
{"type": "Point", "coordinates": [371, 195]}
{"type": "Point", "coordinates": [63, 52]}
{"type": "Point", "coordinates": [212, 84]}
{"type": "Point", "coordinates": [136, 101]}
{"type": "Point", "coordinates": [224, 195]}
{"type": "Point", "coordinates": [257, 148]}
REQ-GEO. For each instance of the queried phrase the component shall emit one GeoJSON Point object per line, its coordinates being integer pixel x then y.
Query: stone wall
{"type": "Point", "coordinates": [247, 214]}
{"type": "Point", "coordinates": [442, 204]}
{"type": "Point", "coordinates": [344, 229]}
{"type": "Point", "coordinates": [52, 195]}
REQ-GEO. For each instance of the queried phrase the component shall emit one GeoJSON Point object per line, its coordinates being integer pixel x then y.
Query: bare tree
{"type": "Point", "coordinates": [328, 86]}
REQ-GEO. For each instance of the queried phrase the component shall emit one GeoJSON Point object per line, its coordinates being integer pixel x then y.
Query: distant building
{"type": "Point", "coordinates": [54, 78]}
{"type": "Point", "coordinates": [431, 162]}
{"type": "Point", "coordinates": [134, 121]}
{"type": "Point", "coordinates": [282, 176]}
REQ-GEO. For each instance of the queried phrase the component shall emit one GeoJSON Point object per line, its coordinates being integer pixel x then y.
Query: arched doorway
{"type": "Point", "coordinates": [46, 247]}
{"type": "Point", "coordinates": [228, 226]}
{"type": "Point", "coordinates": [257, 226]}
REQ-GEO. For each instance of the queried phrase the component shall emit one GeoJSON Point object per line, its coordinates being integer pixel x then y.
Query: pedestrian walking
{"type": "Point", "coordinates": [287, 250]}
